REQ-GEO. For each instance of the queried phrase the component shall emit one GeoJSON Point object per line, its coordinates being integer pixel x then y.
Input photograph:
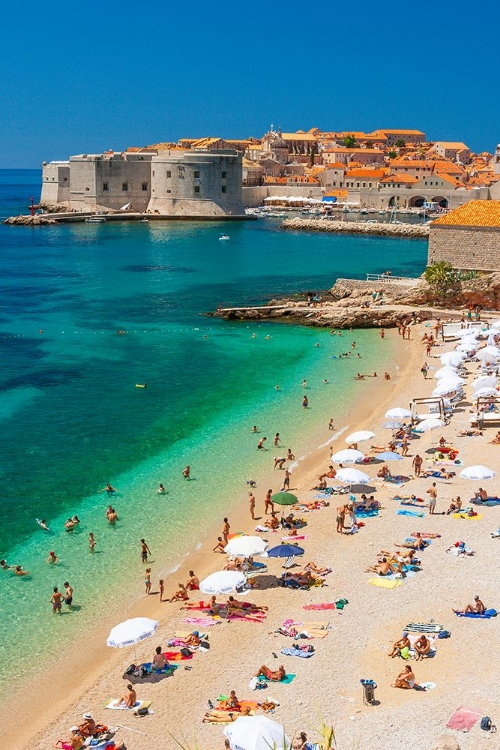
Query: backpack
{"type": "Point", "coordinates": [185, 651]}
{"type": "Point", "coordinates": [144, 672]}
{"type": "Point", "coordinates": [444, 634]}
{"type": "Point", "coordinates": [487, 725]}
{"type": "Point", "coordinates": [131, 669]}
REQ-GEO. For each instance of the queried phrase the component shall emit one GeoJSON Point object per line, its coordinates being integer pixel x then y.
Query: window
{"type": "Point", "coordinates": [224, 189]}
{"type": "Point", "coordinates": [169, 173]}
{"type": "Point", "coordinates": [196, 188]}
{"type": "Point", "coordinates": [223, 175]}
{"type": "Point", "coordinates": [124, 186]}
{"type": "Point", "coordinates": [144, 186]}
{"type": "Point", "coordinates": [364, 184]}
{"type": "Point", "coordinates": [105, 187]}
{"type": "Point", "coordinates": [169, 191]}
{"type": "Point", "coordinates": [196, 174]}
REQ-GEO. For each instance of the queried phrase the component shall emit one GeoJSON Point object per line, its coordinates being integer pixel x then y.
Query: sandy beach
{"type": "Point", "coordinates": [360, 635]}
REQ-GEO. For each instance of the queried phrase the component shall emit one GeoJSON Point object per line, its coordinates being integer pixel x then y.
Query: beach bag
{"type": "Point", "coordinates": [143, 711]}
{"type": "Point", "coordinates": [185, 651]}
{"type": "Point", "coordinates": [144, 672]}
{"type": "Point", "coordinates": [486, 724]}
{"type": "Point", "coordinates": [253, 683]}
{"type": "Point", "coordinates": [204, 645]}
{"type": "Point", "coordinates": [131, 669]}
{"type": "Point", "coordinates": [444, 634]}
{"type": "Point", "coordinates": [308, 648]}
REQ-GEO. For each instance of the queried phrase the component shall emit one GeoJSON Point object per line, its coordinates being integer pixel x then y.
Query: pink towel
{"type": "Point", "coordinates": [205, 622]}
{"type": "Point", "coordinates": [464, 719]}
{"type": "Point", "coordinates": [320, 606]}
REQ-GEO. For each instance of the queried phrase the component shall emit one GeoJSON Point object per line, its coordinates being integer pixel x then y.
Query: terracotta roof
{"type": "Point", "coordinates": [335, 165]}
{"type": "Point", "coordinates": [393, 178]}
{"type": "Point", "coordinates": [374, 174]}
{"type": "Point", "coordinates": [395, 131]}
{"type": "Point", "coordinates": [343, 150]}
{"type": "Point", "coordinates": [446, 177]}
{"type": "Point", "coordinates": [473, 214]}
{"type": "Point", "coordinates": [298, 136]}
{"type": "Point", "coordinates": [451, 144]}
{"type": "Point", "coordinates": [398, 163]}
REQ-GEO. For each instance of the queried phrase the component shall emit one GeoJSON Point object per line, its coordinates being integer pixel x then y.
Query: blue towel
{"type": "Point", "coordinates": [410, 513]}
{"type": "Point", "coordinates": [490, 502]}
{"type": "Point", "coordinates": [289, 651]}
{"type": "Point", "coordinates": [366, 513]}
{"type": "Point", "coordinates": [487, 614]}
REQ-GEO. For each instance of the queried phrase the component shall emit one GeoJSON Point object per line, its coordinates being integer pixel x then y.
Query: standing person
{"type": "Point", "coordinates": [147, 580]}
{"type": "Point", "coordinates": [268, 502]}
{"type": "Point", "coordinates": [432, 492]}
{"type": "Point", "coordinates": [52, 558]}
{"type": "Point", "coordinates": [330, 425]}
{"type": "Point", "coordinates": [91, 541]}
{"type": "Point", "coordinates": [225, 530]}
{"type": "Point", "coordinates": [260, 444]}
{"type": "Point", "coordinates": [251, 502]}
{"type": "Point", "coordinates": [68, 594]}
{"type": "Point", "coordinates": [56, 601]}
{"type": "Point", "coordinates": [187, 472]}
{"type": "Point", "coordinates": [304, 383]}
{"type": "Point", "coordinates": [286, 480]}
{"type": "Point", "coordinates": [112, 517]}
{"type": "Point", "coordinates": [305, 402]}
{"type": "Point", "coordinates": [424, 370]}
{"type": "Point", "coordinates": [341, 511]}
{"type": "Point", "coordinates": [382, 334]}
{"type": "Point", "coordinates": [277, 439]}
{"type": "Point", "coordinates": [417, 464]}
{"type": "Point", "coordinates": [290, 455]}
{"type": "Point", "coordinates": [162, 588]}
{"type": "Point", "coordinates": [404, 446]}
{"type": "Point", "coordinates": [145, 551]}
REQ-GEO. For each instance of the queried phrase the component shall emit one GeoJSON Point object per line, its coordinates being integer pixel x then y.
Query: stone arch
{"type": "Point", "coordinates": [417, 201]}
{"type": "Point", "coordinates": [393, 201]}
{"type": "Point", "coordinates": [441, 201]}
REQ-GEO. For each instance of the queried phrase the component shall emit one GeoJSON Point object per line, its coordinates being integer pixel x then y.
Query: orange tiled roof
{"type": "Point", "coordinates": [395, 131]}
{"type": "Point", "coordinates": [335, 165]}
{"type": "Point", "coordinates": [393, 178]}
{"type": "Point", "coordinates": [473, 214]}
{"type": "Point", "coordinates": [343, 150]}
{"type": "Point", "coordinates": [398, 163]}
{"type": "Point", "coordinates": [451, 144]}
{"type": "Point", "coordinates": [374, 174]}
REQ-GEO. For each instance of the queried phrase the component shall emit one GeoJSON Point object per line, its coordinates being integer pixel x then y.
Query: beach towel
{"type": "Point", "coordinates": [490, 502]}
{"type": "Point", "coordinates": [385, 583]}
{"type": "Point", "coordinates": [477, 517]}
{"type": "Point", "coordinates": [320, 606]}
{"type": "Point", "coordinates": [410, 513]}
{"type": "Point", "coordinates": [288, 679]}
{"type": "Point", "coordinates": [464, 719]}
{"type": "Point", "coordinates": [366, 513]}
{"type": "Point", "coordinates": [425, 686]}
{"type": "Point", "coordinates": [114, 705]}
{"type": "Point", "coordinates": [423, 627]}
{"type": "Point", "coordinates": [413, 539]}
{"type": "Point", "coordinates": [176, 656]}
{"type": "Point", "coordinates": [397, 479]}
{"type": "Point", "coordinates": [293, 538]}
{"type": "Point", "coordinates": [289, 651]}
{"type": "Point", "coordinates": [250, 705]}
{"type": "Point", "coordinates": [476, 616]}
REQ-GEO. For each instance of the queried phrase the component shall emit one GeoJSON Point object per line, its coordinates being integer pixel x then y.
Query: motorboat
{"type": "Point", "coordinates": [224, 237]}
{"type": "Point", "coordinates": [95, 219]}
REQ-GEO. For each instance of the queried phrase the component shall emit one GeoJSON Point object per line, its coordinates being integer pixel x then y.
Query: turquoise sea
{"type": "Point", "coordinates": [71, 418]}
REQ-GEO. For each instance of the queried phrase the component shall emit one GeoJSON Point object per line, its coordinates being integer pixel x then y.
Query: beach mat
{"type": "Point", "coordinates": [410, 513]}
{"type": "Point", "coordinates": [423, 627]}
{"type": "Point", "coordinates": [113, 705]}
{"type": "Point", "coordinates": [324, 605]}
{"type": "Point", "coordinates": [385, 583]}
{"type": "Point", "coordinates": [488, 614]}
{"type": "Point", "coordinates": [490, 502]}
{"type": "Point", "coordinates": [176, 656]}
{"type": "Point", "coordinates": [469, 518]}
{"type": "Point", "coordinates": [366, 513]}
{"type": "Point", "coordinates": [464, 719]}
{"type": "Point", "coordinates": [425, 686]}
{"type": "Point", "coordinates": [288, 679]}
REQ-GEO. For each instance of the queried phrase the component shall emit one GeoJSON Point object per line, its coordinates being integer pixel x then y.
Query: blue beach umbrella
{"type": "Point", "coordinates": [390, 456]}
{"type": "Point", "coordinates": [285, 550]}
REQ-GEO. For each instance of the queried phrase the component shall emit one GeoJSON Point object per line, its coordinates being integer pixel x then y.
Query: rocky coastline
{"type": "Point", "coordinates": [378, 228]}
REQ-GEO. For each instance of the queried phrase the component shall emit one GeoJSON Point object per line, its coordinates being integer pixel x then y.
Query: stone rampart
{"type": "Point", "coordinates": [466, 248]}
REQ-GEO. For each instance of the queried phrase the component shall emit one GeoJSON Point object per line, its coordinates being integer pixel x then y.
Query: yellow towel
{"type": "Point", "coordinates": [385, 583]}
{"type": "Point", "coordinates": [470, 518]}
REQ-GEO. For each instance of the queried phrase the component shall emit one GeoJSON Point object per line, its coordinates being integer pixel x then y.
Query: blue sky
{"type": "Point", "coordinates": [85, 77]}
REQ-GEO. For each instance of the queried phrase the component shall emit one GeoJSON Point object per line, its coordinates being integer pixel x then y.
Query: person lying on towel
{"type": "Point", "coordinates": [276, 676]}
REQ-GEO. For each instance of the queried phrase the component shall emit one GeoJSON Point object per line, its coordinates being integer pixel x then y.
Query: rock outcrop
{"type": "Point", "coordinates": [30, 221]}
{"type": "Point", "coordinates": [410, 231]}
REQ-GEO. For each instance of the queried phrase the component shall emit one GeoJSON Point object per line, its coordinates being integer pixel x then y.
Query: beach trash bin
{"type": "Point", "coordinates": [368, 691]}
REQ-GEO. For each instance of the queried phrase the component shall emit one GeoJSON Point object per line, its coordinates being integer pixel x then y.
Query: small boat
{"type": "Point", "coordinates": [95, 219]}
{"type": "Point", "coordinates": [224, 237]}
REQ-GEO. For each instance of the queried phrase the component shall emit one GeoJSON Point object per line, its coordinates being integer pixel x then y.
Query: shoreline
{"type": "Point", "coordinates": [97, 660]}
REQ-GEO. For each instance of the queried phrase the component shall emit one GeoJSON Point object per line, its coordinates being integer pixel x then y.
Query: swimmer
{"type": "Point", "coordinates": [161, 489]}
{"type": "Point", "coordinates": [43, 524]}
{"type": "Point", "coordinates": [4, 566]}
{"type": "Point", "coordinates": [187, 472]}
{"type": "Point", "coordinates": [276, 387]}
{"type": "Point", "coordinates": [112, 517]}
{"type": "Point", "coordinates": [330, 425]}
{"type": "Point", "coordinates": [305, 403]}
{"type": "Point", "coordinates": [52, 558]}
{"type": "Point", "coordinates": [289, 455]}
{"type": "Point", "coordinates": [141, 385]}
{"type": "Point", "coordinates": [254, 428]}
{"type": "Point", "coordinates": [325, 380]}
{"type": "Point", "coordinates": [91, 541]}
{"type": "Point", "coordinates": [18, 571]}
{"type": "Point", "coordinates": [304, 384]}
{"type": "Point", "coordinates": [277, 439]}
{"type": "Point", "coordinates": [109, 489]}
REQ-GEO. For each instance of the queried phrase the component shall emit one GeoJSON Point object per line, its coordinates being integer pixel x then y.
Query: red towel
{"type": "Point", "coordinates": [176, 656]}
{"type": "Point", "coordinates": [320, 606]}
{"type": "Point", "coordinates": [464, 719]}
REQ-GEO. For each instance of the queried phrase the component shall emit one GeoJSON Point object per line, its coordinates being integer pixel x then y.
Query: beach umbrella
{"type": "Point", "coordinates": [444, 388]}
{"type": "Point", "coordinates": [352, 476]}
{"type": "Point", "coordinates": [452, 358]}
{"type": "Point", "coordinates": [284, 498]}
{"type": "Point", "coordinates": [347, 456]}
{"type": "Point", "coordinates": [130, 632]}
{"type": "Point", "coordinates": [496, 324]}
{"type": "Point", "coordinates": [392, 425]}
{"type": "Point", "coordinates": [256, 733]}
{"type": "Point", "coordinates": [389, 456]}
{"type": "Point", "coordinates": [445, 372]}
{"type": "Point", "coordinates": [472, 332]}
{"type": "Point", "coordinates": [486, 357]}
{"type": "Point", "coordinates": [485, 393]}
{"type": "Point", "coordinates": [284, 550]}
{"type": "Point", "coordinates": [360, 436]}
{"type": "Point", "coordinates": [486, 381]}
{"type": "Point", "coordinates": [246, 546]}
{"type": "Point", "coordinates": [478, 473]}
{"type": "Point", "coordinates": [494, 350]}
{"type": "Point", "coordinates": [398, 413]}
{"type": "Point", "coordinates": [429, 424]}
{"type": "Point", "coordinates": [455, 380]}
{"type": "Point", "coordinates": [222, 582]}
{"type": "Point", "coordinates": [467, 347]}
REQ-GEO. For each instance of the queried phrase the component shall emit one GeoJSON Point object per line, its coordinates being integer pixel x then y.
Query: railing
{"type": "Point", "coordinates": [388, 277]}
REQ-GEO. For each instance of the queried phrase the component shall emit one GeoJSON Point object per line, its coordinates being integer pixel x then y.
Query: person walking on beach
{"type": "Point", "coordinates": [404, 446]}
{"type": "Point", "coordinates": [268, 502]}
{"type": "Point", "coordinates": [417, 464]}
{"type": "Point", "coordinates": [91, 541]}
{"type": "Point", "coordinates": [56, 601]}
{"type": "Point", "coordinates": [68, 595]}
{"type": "Point", "coordinates": [424, 370]}
{"type": "Point", "coordinates": [225, 530]}
{"type": "Point", "coordinates": [341, 511]}
{"type": "Point", "coordinates": [147, 580]}
{"type": "Point", "coordinates": [330, 425]}
{"type": "Point", "coordinates": [187, 472]}
{"type": "Point", "coordinates": [432, 492]}
{"type": "Point", "coordinates": [145, 551]}
{"type": "Point", "coordinates": [161, 586]}
{"type": "Point", "coordinates": [251, 502]}
{"type": "Point", "coordinates": [286, 480]}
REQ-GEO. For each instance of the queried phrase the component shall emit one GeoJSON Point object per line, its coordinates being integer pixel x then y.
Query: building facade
{"type": "Point", "coordinates": [468, 238]}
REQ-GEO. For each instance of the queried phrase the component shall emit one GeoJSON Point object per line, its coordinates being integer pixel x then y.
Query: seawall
{"type": "Point", "coordinates": [362, 227]}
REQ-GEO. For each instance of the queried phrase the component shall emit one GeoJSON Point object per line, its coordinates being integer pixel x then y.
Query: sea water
{"type": "Point", "coordinates": [72, 418]}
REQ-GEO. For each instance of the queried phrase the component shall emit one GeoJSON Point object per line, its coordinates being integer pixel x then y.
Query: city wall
{"type": "Point", "coordinates": [467, 248]}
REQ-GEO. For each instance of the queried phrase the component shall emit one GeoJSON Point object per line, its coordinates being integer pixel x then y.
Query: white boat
{"type": "Point", "coordinates": [224, 237]}
{"type": "Point", "coordinates": [95, 219]}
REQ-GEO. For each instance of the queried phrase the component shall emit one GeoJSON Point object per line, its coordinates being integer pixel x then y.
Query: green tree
{"type": "Point", "coordinates": [392, 154]}
{"type": "Point", "coordinates": [369, 144]}
{"type": "Point", "coordinates": [350, 141]}
{"type": "Point", "coordinates": [313, 154]}
{"type": "Point", "coordinates": [400, 143]}
{"type": "Point", "coordinates": [439, 274]}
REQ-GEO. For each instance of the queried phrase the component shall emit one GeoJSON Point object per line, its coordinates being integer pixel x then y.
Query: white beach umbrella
{"type": "Point", "coordinates": [467, 347]}
{"type": "Point", "coordinates": [360, 436]}
{"type": "Point", "coordinates": [492, 350]}
{"type": "Point", "coordinates": [245, 546]}
{"type": "Point", "coordinates": [446, 387]}
{"type": "Point", "coordinates": [222, 582]}
{"type": "Point", "coordinates": [398, 413]}
{"type": "Point", "coordinates": [479, 473]}
{"type": "Point", "coordinates": [485, 393]}
{"type": "Point", "coordinates": [429, 424]}
{"type": "Point", "coordinates": [347, 456]}
{"type": "Point", "coordinates": [256, 733]}
{"type": "Point", "coordinates": [132, 631]}
{"type": "Point", "coordinates": [352, 476]}
{"type": "Point", "coordinates": [453, 359]}
{"type": "Point", "coordinates": [496, 324]}
{"type": "Point", "coordinates": [468, 333]}
{"type": "Point", "coordinates": [486, 357]}
{"type": "Point", "coordinates": [487, 381]}
{"type": "Point", "coordinates": [445, 372]}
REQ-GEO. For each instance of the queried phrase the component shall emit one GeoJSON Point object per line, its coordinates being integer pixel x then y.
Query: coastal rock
{"type": "Point", "coordinates": [447, 742]}
{"type": "Point", "coordinates": [30, 221]}
{"type": "Point", "coordinates": [360, 227]}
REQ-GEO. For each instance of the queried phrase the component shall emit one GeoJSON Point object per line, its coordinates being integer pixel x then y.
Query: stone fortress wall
{"type": "Point", "coordinates": [470, 248]}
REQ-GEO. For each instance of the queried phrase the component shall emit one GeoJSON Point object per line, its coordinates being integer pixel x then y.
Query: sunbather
{"type": "Point", "coordinates": [193, 582]}
{"type": "Point", "coordinates": [455, 506]}
{"type": "Point", "coordinates": [478, 607]}
{"type": "Point", "coordinates": [481, 494]}
{"type": "Point", "coordinates": [76, 742]}
{"type": "Point", "coordinates": [180, 595]}
{"type": "Point", "coordinates": [159, 662]}
{"type": "Point", "coordinates": [404, 642]}
{"type": "Point", "coordinates": [129, 699]}
{"type": "Point", "coordinates": [88, 728]}
{"type": "Point", "coordinates": [275, 676]}
{"type": "Point", "coordinates": [383, 472]}
{"type": "Point", "coordinates": [405, 679]}
{"type": "Point", "coordinates": [233, 564]}
{"type": "Point", "coordinates": [418, 543]}
{"type": "Point", "coordinates": [230, 703]}
{"type": "Point", "coordinates": [312, 566]}
{"type": "Point", "coordinates": [422, 647]}
{"type": "Point", "coordinates": [383, 568]}
{"type": "Point", "coordinates": [234, 604]}
{"type": "Point", "coordinates": [496, 439]}
{"type": "Point", "coordinates": [273, 522]}
{"type": "Point", "coordinates": [476, 433]}
{"type": "Point", "coordinates": [193, 639]}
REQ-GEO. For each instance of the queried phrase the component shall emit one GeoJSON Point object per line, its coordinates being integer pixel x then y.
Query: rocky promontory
{"type": "Point", "coordinates": [358, 227]}
{"type": "Point", "coordinates": [30, 221]}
